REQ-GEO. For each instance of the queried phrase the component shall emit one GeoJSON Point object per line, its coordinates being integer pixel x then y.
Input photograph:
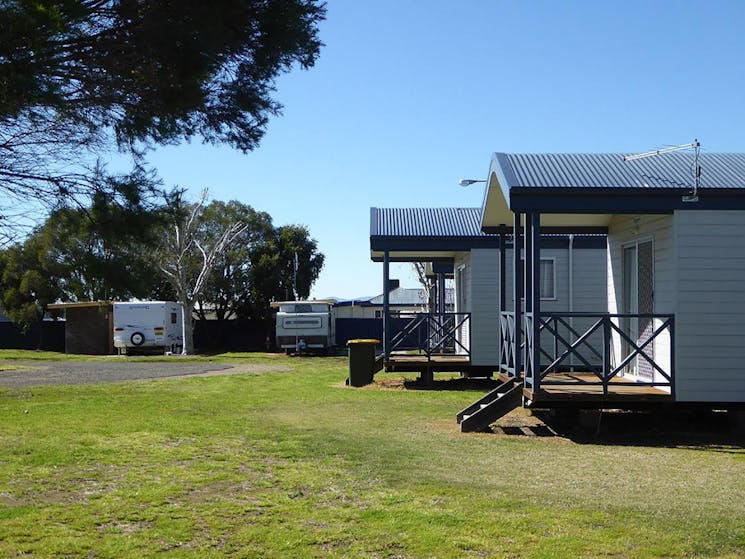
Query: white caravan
{"type": "Point", "coordinates": [305, 325]}
{"type": "Point", "coordinates": [147, 324]}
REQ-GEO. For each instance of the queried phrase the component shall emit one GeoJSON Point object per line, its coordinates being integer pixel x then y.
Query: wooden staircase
{"type": "Point", "coordinates": [486, 410]}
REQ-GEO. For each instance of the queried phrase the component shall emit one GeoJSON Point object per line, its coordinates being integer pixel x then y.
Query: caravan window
{"type": "Point", "coordinates": [174, 318]}
{"type": "Point", "coordinates": [303, 307]}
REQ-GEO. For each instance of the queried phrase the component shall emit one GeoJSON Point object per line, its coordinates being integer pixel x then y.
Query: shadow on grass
{"type": "Point", "coordinates": [525, 430]}
{"type": "Point", "coordinates": [701, 430]}
{"type": "Point", "coordinates": [455, 384]}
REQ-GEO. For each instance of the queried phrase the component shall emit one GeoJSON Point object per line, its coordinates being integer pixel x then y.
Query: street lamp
{"type": "Point", "coordinates": [469, 182]}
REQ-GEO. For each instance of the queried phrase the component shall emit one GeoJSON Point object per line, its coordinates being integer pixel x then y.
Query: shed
{"type": "Point", "coordinates": [88, 327]}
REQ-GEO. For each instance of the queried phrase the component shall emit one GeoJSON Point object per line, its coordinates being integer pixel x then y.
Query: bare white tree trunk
{"type": "Point", "coordinates": [181, 246]}
{"type": "Point", "coordinates": [421, 272]}
{"type": "Point", "coordinates": [188, 329]}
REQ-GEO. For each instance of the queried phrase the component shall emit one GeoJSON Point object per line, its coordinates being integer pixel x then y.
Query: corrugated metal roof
{"type": "Point", "coordinates": [609, 170]}
{"type": "Point", "coordinates": [426, 222]}
{"type": "Point", "coordinates": [411, 296]}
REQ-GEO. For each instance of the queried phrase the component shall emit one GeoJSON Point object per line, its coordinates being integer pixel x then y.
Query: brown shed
{"type": "Point", "coordinates": [88, 327]}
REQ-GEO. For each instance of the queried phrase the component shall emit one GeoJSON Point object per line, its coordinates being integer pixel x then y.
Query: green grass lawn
{"type": "Point", "coordinates": [293, 464]}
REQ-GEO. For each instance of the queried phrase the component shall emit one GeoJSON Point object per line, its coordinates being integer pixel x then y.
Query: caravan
{"type": "Point", "coordinates": [305, 325]}
{"type": "Point", "coordinates": [148, 324]}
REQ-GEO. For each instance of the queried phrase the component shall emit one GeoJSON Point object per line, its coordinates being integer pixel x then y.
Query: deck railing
{"type": "Point", "coordinates": [565, 346]}
{"type": "Point", "coordinates": [431, 334]}
{"type": "Point", "coordinates": [507, 343]}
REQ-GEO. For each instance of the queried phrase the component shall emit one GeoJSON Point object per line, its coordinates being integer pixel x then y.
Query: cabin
{"type": "Point", "coordinates": [671, 326]}
{"type": "Point", "coordinates": [466, 337]}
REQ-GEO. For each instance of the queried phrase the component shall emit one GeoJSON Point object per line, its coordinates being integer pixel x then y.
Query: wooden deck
{"type": "Point", "coordinates": [576, 393]}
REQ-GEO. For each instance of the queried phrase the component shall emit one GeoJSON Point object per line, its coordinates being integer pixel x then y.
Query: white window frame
{"type": "Point", "coordinates": [460, 289]}
{"type": "Point", "coordinates": [551, 259]}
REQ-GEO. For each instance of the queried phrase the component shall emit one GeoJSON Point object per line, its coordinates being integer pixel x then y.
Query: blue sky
{"type": "Point", "coordinates": [410, 96]}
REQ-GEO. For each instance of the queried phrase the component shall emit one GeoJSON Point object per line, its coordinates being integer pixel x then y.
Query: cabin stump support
{"type": "Point", "coordinates": [736, 418]}
{"type": "Point", "coordinates": [426, 376]}
{"type": "Point", "coordinates": [589, 420]}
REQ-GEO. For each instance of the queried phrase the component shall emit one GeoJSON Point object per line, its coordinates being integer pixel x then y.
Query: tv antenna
{"type": "Point", "coordinates": [695, 146]}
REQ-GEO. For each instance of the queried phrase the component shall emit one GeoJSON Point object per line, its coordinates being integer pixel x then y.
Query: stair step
{"type": "Point", "coordinates": [488, 399]}
{"type": "Point", "coordinates": [483, 413]}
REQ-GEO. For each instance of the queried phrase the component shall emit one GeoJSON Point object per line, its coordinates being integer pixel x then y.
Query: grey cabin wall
{"type": "Point", "coordinates": [589, 280]}
{"type": "Point", "coordinates": [484, 300]}
{"type": "Point", "coordinates": [481, 285]}
{"type": "Point", "coordinates": [710, 315]}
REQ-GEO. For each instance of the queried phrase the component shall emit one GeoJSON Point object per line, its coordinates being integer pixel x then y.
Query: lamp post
{"type": "Point", "coordinates": [469, 182]}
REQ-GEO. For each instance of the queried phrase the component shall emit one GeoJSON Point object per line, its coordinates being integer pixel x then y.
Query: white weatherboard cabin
{"type": "Point", "coordinates": [453, 244]}
{"type": "Point", "coordinates": [672, 325]}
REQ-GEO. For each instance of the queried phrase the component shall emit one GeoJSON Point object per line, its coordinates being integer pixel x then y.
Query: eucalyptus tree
{"type": "Point", "coordinates": [231, 291]}
{"type": "Point", "coordinates": [188, 255]}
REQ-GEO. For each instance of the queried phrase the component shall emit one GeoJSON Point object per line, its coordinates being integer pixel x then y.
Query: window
{"type": "Point", "coordinates": [174, 318]}
{"type": "Point", "coordinates": [548, 278]}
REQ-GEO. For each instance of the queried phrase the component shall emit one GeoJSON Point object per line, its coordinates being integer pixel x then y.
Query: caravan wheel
{"type": "Point", "coordinates": [137, 339]}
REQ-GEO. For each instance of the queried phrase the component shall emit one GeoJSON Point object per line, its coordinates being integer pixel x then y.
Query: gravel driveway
{"type": "Point", "coordinates": [30, 373]}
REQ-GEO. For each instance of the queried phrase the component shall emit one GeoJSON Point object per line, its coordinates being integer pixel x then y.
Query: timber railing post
{"type": "Point", "coordinates": [606, 352]}
{"type": "Point", "coordinates": [502, 285]}
{"type": "Point", "coordinates": [672, 356]}
{"type": "Point", "coordinates": [517, 294]}
{"type": "Point", "coordinates": [535, 295]}
{"type": "Point", "coordinates": [386, 307]}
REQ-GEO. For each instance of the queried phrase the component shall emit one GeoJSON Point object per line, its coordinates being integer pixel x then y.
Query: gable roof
{"type": "Point", "coordinates": [609, 170]}
{"type": "Point", "coordinates": [585, 189]}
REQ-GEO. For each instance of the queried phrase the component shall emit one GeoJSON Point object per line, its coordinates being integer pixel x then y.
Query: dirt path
{"type": "Point", "coordinates": [31, 373]}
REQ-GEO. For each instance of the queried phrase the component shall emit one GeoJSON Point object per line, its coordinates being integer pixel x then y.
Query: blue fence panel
{"type": "Point", "coordinates": [47, 335]}
{"type": "Point", "coordinates": [358, 328]}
